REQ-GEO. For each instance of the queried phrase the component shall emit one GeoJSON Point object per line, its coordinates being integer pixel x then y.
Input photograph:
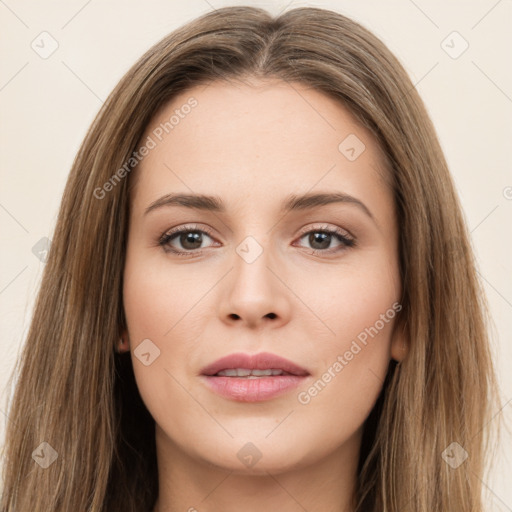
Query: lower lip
{"type": "Point", "coordinates": [253, 390]}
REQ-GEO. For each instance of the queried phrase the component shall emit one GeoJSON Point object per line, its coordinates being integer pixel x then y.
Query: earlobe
{"type": "Point", "coordinates": [123, 344]}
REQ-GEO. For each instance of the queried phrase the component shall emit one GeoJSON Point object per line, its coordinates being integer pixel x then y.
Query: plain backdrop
{"type": "Point", "coordinates": [457, 54]}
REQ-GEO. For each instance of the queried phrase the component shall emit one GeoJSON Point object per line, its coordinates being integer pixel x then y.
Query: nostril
{"type": "Point", "coordinates": [234, 316]}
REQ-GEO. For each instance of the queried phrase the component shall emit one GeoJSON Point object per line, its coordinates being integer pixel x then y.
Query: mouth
{"type": "Point", "coordinates": [246, 373]}
{"type": "Point", "coordinates": [253, 378]}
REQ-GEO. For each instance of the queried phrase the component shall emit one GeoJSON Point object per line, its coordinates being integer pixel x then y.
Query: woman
{"type": "Point", "coordinates": [260, 290]}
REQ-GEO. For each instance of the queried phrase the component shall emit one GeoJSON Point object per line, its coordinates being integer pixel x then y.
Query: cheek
{"type": "Point", "coordinates": [160, 300]}
{"type": "Point", "coordinates": [158, 308]}
{"type": "Point", "coordinates": [352, 363]}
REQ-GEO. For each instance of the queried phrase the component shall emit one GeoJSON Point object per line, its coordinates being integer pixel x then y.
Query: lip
{"type": "Point", "coordinates": [258, 389]}
{"type": "Point", "coordinates": [260, 361]}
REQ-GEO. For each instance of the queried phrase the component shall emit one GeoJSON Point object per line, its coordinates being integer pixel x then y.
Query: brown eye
{"type": "Point", "coordinates": [320, 240]}
{"type": "Point", "coordinates": [186, 239]}
{"type": "Point", "coordinates": [190, 239]}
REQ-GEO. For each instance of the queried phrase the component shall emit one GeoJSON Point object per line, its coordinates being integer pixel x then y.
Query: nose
{"type": "Point", "coordinates": [254, 294]}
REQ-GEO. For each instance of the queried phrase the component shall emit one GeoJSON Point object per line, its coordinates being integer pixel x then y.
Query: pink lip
{"type": "Point", "coordinates": [253, 390]}
{"type": "Point", "coordinates": [260, 361]}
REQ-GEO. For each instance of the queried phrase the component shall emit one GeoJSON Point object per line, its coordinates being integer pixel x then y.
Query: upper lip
{"type": "Point", "coordinates": [260, 361]}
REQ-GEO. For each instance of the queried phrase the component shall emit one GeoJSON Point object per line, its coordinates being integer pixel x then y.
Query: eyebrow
{"type": "Point", "coordinates": [292, 202]}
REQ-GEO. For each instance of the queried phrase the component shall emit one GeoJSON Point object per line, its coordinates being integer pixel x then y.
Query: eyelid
{"type": "Point", "coordinates": [326, 227]}
{"type": "Point", "coordinates": [209, 232]}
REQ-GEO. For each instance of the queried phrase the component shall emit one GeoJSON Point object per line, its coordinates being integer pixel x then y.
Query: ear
{"type": "Point", "coordinates": [123, 344]}
{"type": "Point", "coordinates": [399, 343]}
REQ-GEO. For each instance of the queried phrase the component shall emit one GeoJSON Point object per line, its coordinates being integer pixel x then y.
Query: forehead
{"type": "Point", "coordinates": [257, 138]}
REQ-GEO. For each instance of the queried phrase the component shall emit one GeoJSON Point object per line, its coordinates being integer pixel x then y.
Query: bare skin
{"type": "Point", "coordinates": [253, 146]}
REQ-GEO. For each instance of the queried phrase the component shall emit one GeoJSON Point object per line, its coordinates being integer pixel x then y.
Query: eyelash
{"type": "Point", "coordinates": [164, 240]}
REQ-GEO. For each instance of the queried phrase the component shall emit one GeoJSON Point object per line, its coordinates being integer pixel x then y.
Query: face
{"type": "Point", "coordinates": [259, 268]}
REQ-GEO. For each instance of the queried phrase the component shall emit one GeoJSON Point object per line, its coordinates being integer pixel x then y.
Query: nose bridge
{"type": "Point", "coordinates": [253, 292]}
{"type": "Point", "coordinates": [251, 273]}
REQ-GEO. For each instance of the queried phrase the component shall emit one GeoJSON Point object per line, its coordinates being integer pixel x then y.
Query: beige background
{"type": "Point", "coordinates": [47, 104]}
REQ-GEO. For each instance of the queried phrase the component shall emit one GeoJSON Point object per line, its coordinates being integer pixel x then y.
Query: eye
{"type": "Point", "coordinates": [190, 238]}
{"type": "Point", "coordinates": [321, 239]}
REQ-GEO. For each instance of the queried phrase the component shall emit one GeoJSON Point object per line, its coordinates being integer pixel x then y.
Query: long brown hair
{"type": "Point", "coordinates": [77, 394]}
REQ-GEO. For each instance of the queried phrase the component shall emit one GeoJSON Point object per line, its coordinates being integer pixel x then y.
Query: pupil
{"type": "Point", "coordinates": [323, 237]}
